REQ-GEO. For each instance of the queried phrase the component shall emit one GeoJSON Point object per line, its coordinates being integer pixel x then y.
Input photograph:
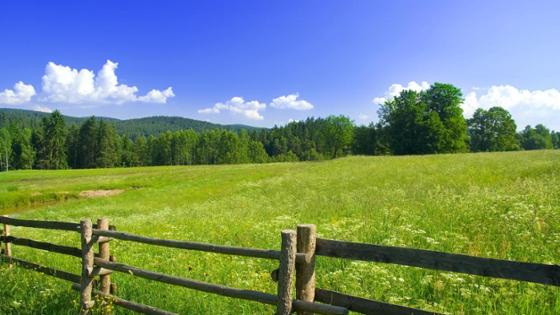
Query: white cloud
{"type": "Point", "coordinates": [363, 117]}
{"type": "Point", "coordinates": [396, 89]}
{"type": "Point", "coordinates": [63, 84]}
{"type": "Point", "coordinates": [237, 105]}
{"type": "Point", "coordinates": [41, 108]}
{"type": "Point", "coordinates": [291, 102]}
{"type": "Point", "coordinates": [21, 93]}
{"type": "Point", "coordinates": [526, 106]}
{"type": "Point", "coordinates": [470, 104]}
{"type": "Point", "coordinates": [510, 97]}
{"type": "Point", "coordinates": [156, 96]}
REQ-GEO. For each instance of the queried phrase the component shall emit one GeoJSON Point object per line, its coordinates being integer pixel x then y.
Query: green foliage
{"type": "Point", "coordinates": [555, 138]}
{"type": "Point", "coordinates": [339, 131]}
{"type": "Point", "coordinates": [364, 140]}
{"type": "Point", "coordinates": [73, 146]}
{"type": "Point", "coordinates": [132, 128]}
{"type": "Point", "coordinates": [129, 156]}
{"type": "Point", "coordinates": [142, 151]}
{"type": "Point", "coordinates": [412, 123]}
{"type": "Point", "coordinates": [536, 138]}
{"type": "Point", "coordinates": [369, 140]}
{"type": "Point", "coordinates": [5, 149]}
{"type": "Point", "coordinates": [493, 130]}
{"type": "Point", "coordinates": [425, 122]}
{"type": "Point", "coordinates": [182, 146]}
{"type": "Point", "coordinates": [312, 139]}
{"type": "Point", "coordinates": [207, 148]}
{"type": "Point", "coordinates": [88, 144]}
{"type": "Point", "coordinates": [228, 148]}
{"type": "Point", "coordinates": [52, 154]}
{"type": "Point", "coordinates": [23, 155]}
{"type": "Point", "coordinates": [256, 152]}
{"type": "Point", "coordinates": [107, 146]}
{"type": "Point", "coordinates": [286, 157]}
{"type": "Point", "coordinates": [445, 100]}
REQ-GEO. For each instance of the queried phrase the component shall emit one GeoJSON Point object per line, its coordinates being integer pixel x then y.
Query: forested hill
{"type": "Point", "coordinates": [157, 124]}
{"type": "Point", "coordinates": [130, 127]}
{"type": "Point", "coordinates": [425, 122]}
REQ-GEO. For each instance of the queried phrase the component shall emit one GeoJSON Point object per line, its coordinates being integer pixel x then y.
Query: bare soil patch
{"type": "Point", "coordinates": [100, 193]}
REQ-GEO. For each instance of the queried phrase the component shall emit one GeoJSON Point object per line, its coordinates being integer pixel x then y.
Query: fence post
{"type": "Point", "coordinates": [305, 270]}
{"type": "Point", "coordinates": [104, 253]}
{"type": "Point", "coordinates": [86, 284]}
{"type": "Point", "coordinates": [285, 272]}
{"type": "Point", "coordinates": [113, 288]}
{"type": "Point", "coordinates": [8, 245]}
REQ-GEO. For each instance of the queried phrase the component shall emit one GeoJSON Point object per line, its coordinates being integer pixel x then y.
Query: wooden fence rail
{"type": "Point", "coordinates": [219, 249]}
{"type": "Point", "coordinates": [49, 225]}
{"type": "Point", "coordinates": [487, 267]}
{"type": "Point", "coordinates": [296, 257]}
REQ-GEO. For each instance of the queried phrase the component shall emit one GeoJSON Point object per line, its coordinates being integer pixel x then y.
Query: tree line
{"type": "Point", "coordinates": [425, 122]}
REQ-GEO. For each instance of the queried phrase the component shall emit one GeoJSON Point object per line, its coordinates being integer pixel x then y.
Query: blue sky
{"type": "Point", "coordinates": [264, 63]}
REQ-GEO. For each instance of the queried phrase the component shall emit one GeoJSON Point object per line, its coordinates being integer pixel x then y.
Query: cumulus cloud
{"type": "Point", "coordinates": [21, 93]}
{"type": "Point", "coordinates": [63, 84]}
{"type": "Point", "coordinates": [396, 89]}
{"type": "Point", "coordinates": [291, 102]}
{"type": "Point", "coordinates": [363, 117]}
{"type": "Point", "coordinates": [41, 108]}
{"type": "Point", "coordinates": [237, 105]}
{"type": "Point", "coordinates": [526, 106]}
{"type": "Point", "coordinates": [510, 97]}
{"type": "Point", "coordinates": [470, 104]}
{"type": "Point", "coordinates": [156, 96]}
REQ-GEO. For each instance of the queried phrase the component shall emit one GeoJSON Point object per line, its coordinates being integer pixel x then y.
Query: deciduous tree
{"type": "Point", "coordinates": [493, 130]}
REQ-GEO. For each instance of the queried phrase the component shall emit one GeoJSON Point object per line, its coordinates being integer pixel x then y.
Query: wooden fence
{"type": "Point", "coordinates": [296, 257]}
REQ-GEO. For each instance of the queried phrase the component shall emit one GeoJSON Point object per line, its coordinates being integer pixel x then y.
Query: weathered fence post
{"type": "Point", "coordinates": [113, 288]}
{"type": "Point", "coordinates": [8, 245]}
{"type": "Point", "coordinates": [286, 271]}
{"type": "Point", "coordinates": [86, 284]}
{"type": "Point", "coordinates": [305, 270]}
{"type": "Point", "coordinates": [104, 279]}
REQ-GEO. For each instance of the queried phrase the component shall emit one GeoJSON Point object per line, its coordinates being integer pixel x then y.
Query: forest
{"type": "Point", "coordinates": [426, 122]}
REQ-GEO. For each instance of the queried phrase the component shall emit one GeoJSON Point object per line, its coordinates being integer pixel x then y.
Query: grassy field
{"type": "Point", "coordinates": [500, 205]}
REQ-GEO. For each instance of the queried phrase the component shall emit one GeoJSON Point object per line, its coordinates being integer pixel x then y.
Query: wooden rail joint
{"type": "Point", "coordinates": [101, 239]}
{"type": "Point", "coordinates": [100, 271]}
{"type": "Point", "coordinates": [104, 253]}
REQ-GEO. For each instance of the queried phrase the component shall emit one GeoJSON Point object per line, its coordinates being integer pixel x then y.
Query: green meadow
{"type": "Point", "coordinates": [499, 205]}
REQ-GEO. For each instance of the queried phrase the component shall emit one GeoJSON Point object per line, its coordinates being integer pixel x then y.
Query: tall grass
{"type": "Point", "coordinates": [499, 205]}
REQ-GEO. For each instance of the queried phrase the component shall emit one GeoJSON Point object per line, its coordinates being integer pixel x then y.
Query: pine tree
{"type": "Point", "coordinates": [107, 146]}
{"type": "Point", "coordinates": [23, 154]}
{"type": "Point", "coordinates": [53, 146]}
{"type": "Point", "coordinates": [73, 146]}
{"type": "Point", "coordinates": [142, 151]}
{"type": "Point", "coordinates": [88, 144]}
{"type": "Point", "coordinates": [128, 155]}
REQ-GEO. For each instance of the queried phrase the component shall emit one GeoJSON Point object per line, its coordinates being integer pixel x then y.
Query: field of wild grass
{"type": "Point", "coordinates": [499, 205]}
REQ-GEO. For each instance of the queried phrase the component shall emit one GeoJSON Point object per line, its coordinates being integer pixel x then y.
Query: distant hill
{"type": "Point", "coordinates": [146, 126]}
